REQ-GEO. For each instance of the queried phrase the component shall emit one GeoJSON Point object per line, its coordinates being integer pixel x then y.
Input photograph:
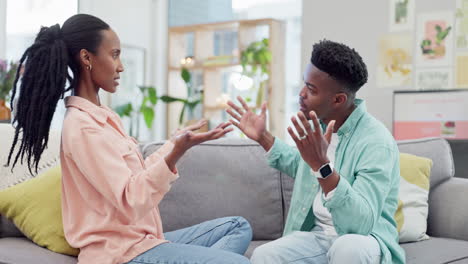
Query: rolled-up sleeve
{"type": "Point", "coordinates": [365, 197]}
{"type": "Point", "coordinates": [283, 158]}
{"type": "Point", "coordinates": [133, 191]}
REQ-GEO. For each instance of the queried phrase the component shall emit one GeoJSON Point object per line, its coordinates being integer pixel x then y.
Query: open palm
{"type": "Point", "coordinates": [251, 124]}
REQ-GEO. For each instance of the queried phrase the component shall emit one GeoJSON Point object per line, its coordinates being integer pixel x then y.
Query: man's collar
{"type": "Point", "coordinates": [352, 120]}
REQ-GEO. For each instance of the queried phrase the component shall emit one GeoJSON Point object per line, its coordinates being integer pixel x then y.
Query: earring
{"type": "Point", "coordinates": [89, 67]}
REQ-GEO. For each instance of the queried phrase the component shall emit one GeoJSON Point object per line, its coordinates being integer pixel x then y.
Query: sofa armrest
{"type": "Point", "coordinates": [448, 213]}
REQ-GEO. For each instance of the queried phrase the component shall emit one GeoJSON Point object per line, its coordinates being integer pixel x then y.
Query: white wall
{"type": "Point", "coordinates": [2, 29]}
{"type": "Point", "coordinates": [358, 24]}
{"type": "Point", "coordinates": [142, 24]}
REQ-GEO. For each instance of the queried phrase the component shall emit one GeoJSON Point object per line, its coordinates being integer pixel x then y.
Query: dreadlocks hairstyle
{"type": "Point", "coordinates": [46, 63]}
{"type": "Point", "coordinates": [341, 62]}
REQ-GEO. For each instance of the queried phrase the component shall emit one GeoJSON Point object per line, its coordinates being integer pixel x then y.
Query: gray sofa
{"type": "Point", "coordinates": [231, 177]}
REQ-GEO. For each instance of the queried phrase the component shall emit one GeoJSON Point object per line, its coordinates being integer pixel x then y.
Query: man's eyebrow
{"type": "Point", "coordinates": [310, 85]}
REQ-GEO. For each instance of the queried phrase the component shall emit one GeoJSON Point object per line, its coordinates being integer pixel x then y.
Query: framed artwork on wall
{"type": "Point", "coordinates": [401, 15]}
{"type": "Point", "coordinates": [434, 39]}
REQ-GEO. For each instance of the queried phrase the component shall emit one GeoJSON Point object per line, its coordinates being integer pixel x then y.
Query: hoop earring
{"type": "Point", "coordinates": [89, 67]}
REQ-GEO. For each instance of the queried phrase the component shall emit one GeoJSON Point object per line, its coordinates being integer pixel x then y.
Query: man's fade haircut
{"type": "Point", "coordinates": [341, 62]}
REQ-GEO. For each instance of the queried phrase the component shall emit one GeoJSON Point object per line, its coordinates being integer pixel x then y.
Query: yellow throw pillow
{"type": "Point", "coordinates": [34, 206]}
{"type": "Point", "coordinates": [411, 215]}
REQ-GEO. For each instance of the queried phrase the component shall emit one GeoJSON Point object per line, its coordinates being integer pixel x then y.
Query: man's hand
{"type": "Point", "coordinates": [251, 124]}
{"type": "Point", "coordinates": [184, 139]}
{"type": "Point", "coordinates": [312, 144]}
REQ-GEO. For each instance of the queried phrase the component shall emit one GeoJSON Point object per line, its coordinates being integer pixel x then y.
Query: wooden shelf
{"type": "Point", "coordinates": [206, 42]}
{"type": "Point", "coordinates": [202, 67]}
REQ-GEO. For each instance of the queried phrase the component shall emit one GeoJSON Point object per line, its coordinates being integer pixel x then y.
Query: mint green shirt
{"type": "Point", "coordinates": [366, 197]}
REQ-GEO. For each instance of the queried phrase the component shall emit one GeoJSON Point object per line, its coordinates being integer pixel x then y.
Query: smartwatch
{"type": "Point", "coordinates": [325, 171]}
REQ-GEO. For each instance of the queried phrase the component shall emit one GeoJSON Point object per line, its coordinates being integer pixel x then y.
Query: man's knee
{"type": "Point", "coordinates": [351, 249]}
{"type": "Point", "coordinates": [264, 253]}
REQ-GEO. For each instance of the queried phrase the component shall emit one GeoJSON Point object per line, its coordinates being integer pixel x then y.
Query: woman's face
{"type": "Point", "coordinates": [106, 63]}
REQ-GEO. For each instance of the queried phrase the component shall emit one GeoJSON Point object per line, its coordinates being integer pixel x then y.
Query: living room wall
{"type": "Point", "coordinates": [359, 24]}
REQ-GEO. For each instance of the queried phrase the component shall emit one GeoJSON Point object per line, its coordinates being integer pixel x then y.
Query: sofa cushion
{"type": "Point", "coordinates": [23, 251]}
{"type": "Point", "coordinates": [226, 177]}
{"type": "Point", "coordinates": [460, 156]}
{"type": "Point", "coordinates": [435, 250]}
{"type": "Point", "coordinates": [8, 229]}
{"type": "Point", "coordinates": [436, 149]}
{"type": "Point", "coordinates": [35, 208]}
{"type": "Point", "coordinates": [411, 215]}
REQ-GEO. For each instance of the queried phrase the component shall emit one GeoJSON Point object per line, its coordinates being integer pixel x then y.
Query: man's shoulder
{"type": "Point", "coordinates": [372, 131]}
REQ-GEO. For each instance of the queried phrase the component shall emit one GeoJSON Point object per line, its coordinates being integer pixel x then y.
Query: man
{"type": "Point", "coordinates": [346, 168]}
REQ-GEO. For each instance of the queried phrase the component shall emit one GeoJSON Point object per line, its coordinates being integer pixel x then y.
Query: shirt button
{"type": "Point", "coordinates": [303, 209]}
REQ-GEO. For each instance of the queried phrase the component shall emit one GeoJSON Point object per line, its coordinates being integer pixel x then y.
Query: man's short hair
{"type": "Point", "coordinates": [342, 63]}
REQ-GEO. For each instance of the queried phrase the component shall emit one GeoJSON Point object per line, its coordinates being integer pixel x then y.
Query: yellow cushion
{"type": "Point", "coordinates": [411, 215]}
{"type": "Point", "coordinates": [34, 206]}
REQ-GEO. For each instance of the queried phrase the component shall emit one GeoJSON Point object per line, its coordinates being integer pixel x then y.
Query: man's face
{"type": "Point", "coordinates": [319, 93]}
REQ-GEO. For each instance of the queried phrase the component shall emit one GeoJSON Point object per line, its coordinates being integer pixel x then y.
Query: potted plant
{"type": "Point", "coordinates": [255, 60]}
{"type": "Point", "coordinates": [146, 108]}
{"type": "Point", "coordinates": [190, 103]}
{"type": "Point", "coordinates": [7, 77]}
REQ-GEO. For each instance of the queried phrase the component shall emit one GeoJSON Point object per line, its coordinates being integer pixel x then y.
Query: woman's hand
{"type": "Point", "coordinates": [184, 139]}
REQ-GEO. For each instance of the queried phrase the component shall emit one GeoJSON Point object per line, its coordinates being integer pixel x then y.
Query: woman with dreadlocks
{"type": "Point", "coordinates": [110, 194]}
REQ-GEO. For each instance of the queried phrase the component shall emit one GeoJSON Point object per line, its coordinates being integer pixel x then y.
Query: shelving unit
{"type": "Point", "coordinates": [211, 52]}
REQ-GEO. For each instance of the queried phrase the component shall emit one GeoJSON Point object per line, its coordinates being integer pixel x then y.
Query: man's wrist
{"type": "Point", "coordinates": [266, 140]}
{"type": "Point", "coordinates": [316, 167]}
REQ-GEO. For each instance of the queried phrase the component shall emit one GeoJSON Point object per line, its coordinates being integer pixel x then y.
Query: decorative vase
{"type": "Point", "coordinates": [5, 112]}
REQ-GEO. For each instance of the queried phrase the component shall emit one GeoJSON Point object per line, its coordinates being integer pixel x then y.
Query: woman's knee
{"type": "Point", "coordinates": [244, 225]}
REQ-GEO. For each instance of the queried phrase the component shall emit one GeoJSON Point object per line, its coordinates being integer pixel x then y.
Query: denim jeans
{"type": "Point", "coordinates": [315, 247]}
{"type": "Point", "coordinates": [222, 240]}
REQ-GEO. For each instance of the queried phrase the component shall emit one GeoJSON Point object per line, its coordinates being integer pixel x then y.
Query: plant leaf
{"type": "Point", "coordinates": [148, 115]}
{"type": "Point", "coordinates": [152, 95]}
{"type": "Point", "coordinates": [185, 74]}
{"type": "Point", "coordinates": [124, 110]}
{"type": "Point", "coordinates": [170, 99]}
{"type": "Point", "coordinates": [181, 117]}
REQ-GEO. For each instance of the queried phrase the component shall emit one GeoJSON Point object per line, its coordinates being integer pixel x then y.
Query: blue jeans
{"type": "Point", "coordinates": [222, 240]}
{"type": "Point", "coordinates": [316, 247]}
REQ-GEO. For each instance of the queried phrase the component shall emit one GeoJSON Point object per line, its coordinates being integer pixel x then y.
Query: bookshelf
{"type": "Point", "coordinates": [212, 54]}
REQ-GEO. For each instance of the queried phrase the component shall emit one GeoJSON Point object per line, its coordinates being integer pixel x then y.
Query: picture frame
{"type": "Point", "coordinates": [434, 45]}
{"type": "Point", "coordinates": [402, 15]}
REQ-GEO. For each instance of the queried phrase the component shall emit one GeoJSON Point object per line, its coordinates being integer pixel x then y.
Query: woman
{"type": "Point", "coordinates": [110, 194]}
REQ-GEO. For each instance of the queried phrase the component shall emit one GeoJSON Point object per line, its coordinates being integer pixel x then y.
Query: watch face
{"type": "Point", "coordinates": [325, 171]}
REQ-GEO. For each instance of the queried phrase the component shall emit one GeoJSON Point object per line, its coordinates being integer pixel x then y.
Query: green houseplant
{"type": "Point", "coordinates": [193, 98]}
{"type": "Point", "coordinates": [255, 60]}
{"type": "Point", "coordinates": [145, 108]}
{"type": "Point", "coordinates": [7, 77]}
{"type": "Point", "coordinates": [149, 101]}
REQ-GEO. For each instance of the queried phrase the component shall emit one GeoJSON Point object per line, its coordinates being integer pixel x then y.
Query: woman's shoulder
{"type": "Point", "coordinates": [77, 121]}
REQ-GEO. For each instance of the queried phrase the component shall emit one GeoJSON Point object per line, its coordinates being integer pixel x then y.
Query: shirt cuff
{"type": "Point", "coordinates": [329, 195]}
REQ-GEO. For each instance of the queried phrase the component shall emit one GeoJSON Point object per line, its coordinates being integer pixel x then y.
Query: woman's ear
{"type": "Point", "coordinates": [85, 59]}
